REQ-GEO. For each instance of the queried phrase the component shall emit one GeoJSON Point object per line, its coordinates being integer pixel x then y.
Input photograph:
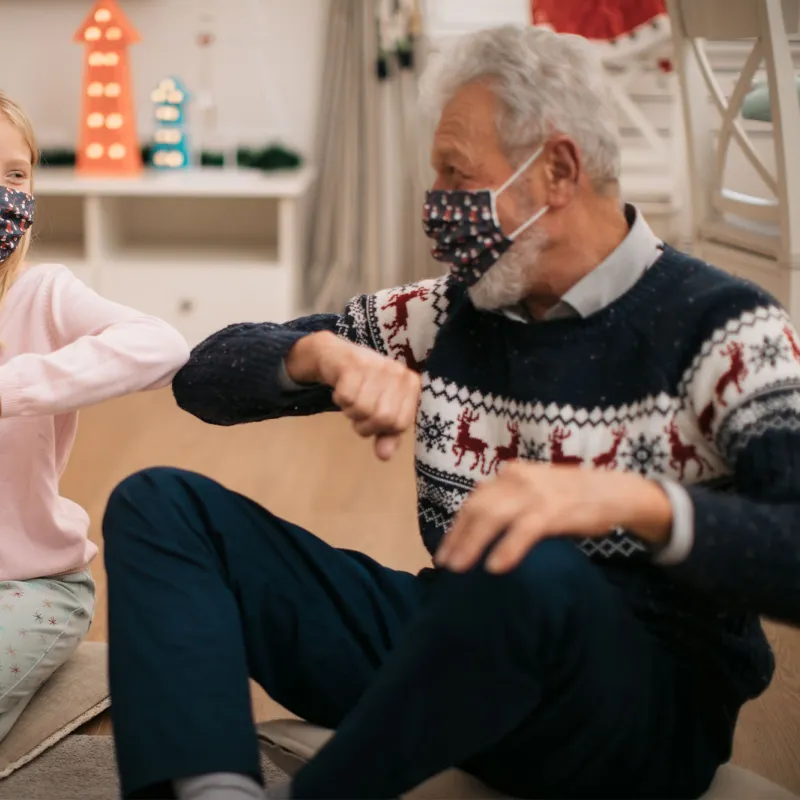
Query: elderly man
{"type": "Point", "coordinates": [608, 472]}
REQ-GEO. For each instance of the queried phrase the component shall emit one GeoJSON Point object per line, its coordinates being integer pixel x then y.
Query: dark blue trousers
{"type": "Point", "coordinates": [541, 682]}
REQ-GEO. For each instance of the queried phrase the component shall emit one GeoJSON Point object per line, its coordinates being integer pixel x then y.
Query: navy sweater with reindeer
{"type": "Point", "coordinates": [692, 375]}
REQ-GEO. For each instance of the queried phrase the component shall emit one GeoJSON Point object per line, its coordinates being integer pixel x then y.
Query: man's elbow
{"type": "Point", "coordinates": [182, 387]}
{"type": "Point", "coordinates": [195, 395]}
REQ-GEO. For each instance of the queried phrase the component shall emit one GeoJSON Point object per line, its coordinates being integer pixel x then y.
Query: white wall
{"type": "Point", "coordinates": [445, 18]}
{"type": "Point", "coordinates": [267, 76]}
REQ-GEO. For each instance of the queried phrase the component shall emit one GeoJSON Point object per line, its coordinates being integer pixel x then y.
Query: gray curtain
{"type": "Point", "coordinates": [354, 203]}
{"type": "Point", "coordinates": [414, 154]}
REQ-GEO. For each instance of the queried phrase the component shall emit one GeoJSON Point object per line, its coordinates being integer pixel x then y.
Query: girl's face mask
{"type": "Point", "coordinates": [16, 216]}
{"type": "Point", "coordinates": [466, 230]}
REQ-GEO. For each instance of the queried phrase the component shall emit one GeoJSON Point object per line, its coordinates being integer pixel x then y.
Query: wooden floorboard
{"type": "Point", "coordinates": [318, 474]}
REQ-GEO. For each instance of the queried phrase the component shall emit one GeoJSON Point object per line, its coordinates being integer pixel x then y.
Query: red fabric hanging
{"type": "Point", "coordinates": [596, 19]}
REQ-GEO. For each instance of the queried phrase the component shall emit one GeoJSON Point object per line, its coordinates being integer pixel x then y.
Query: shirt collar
{"type": "Point", "coordinates": [612, 277]}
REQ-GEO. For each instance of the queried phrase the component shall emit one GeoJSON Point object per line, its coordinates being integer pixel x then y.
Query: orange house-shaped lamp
{"type": "Point", "coordinates": [107, 144]}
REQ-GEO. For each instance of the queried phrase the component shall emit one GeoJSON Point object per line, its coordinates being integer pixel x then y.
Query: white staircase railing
{"type": "Point", "coordinates": [755, 236]}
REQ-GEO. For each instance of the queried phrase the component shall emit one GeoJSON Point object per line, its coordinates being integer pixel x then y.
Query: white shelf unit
{"type": "Point", "coordinates": [199, 248]}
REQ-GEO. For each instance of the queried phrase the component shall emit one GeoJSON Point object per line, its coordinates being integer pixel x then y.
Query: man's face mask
{"type": "Point", "coordinates": [466, 230]}
{"type": "Point", "coordinates": [16, 216]}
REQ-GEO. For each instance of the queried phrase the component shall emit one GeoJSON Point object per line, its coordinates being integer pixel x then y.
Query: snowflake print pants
{"type": "Point", "coordinates": [42, 621]}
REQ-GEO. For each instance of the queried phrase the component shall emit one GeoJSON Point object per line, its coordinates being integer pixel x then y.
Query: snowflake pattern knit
{"type": "Point", "coordinates": [691, 376]}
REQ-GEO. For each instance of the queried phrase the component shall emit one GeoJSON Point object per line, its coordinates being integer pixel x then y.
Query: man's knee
{"type": "Point", "coordinates": [555, 579]}
{"type": "Point", "coordinates": [141, 498]}
{"type": "Point", "coordinates": [165, 509]}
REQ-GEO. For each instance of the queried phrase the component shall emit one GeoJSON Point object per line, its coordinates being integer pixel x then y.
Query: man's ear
{"type": "Point", "coordinates": [563, 164]}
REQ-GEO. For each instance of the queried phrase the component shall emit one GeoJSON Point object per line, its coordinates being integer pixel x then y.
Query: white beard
{"type": "Point", "coordinates": [506, 283]}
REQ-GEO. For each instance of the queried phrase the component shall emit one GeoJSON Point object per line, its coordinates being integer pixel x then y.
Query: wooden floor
{"type": "Point", "coordinates": [299, 470]}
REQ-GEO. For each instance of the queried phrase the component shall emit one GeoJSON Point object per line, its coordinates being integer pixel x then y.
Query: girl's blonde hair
{"type": "Point", "coordinates": [11, 112]}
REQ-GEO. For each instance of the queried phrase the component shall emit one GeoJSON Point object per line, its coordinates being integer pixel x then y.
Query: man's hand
{"type": "Point", "coordinates": [380, 395]}
{"type": "Point", "coordinates": [528, 502]}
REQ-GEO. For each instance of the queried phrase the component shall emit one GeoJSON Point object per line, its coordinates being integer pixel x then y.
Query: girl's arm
{"type": "Point", "coordinates": [101, 350]}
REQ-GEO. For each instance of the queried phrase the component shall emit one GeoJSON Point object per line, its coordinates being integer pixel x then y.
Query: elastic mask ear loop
{"type": "Point", "coordinates": [520, 171]}
{"type": "Point", "coordinates": [525, 225]}
{"type": "Point", "coordinates": [539, 214]}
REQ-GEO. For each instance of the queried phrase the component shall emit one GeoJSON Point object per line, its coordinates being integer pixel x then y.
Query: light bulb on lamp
{"type": "Point", "coordinates": [170, 143]}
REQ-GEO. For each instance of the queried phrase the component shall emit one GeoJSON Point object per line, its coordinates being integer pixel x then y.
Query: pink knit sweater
{"type": "Point", "coordinates": [62, 347]}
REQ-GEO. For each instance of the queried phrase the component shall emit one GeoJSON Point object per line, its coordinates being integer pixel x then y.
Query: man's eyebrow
{"type": "Point", "coordinates": [451, 153]}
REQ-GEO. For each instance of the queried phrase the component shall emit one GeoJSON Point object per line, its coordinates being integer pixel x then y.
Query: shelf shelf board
{"type": "Point", "coordinates": [208, 182]}
{"type": "Point", "coordinates": [68, 253]}
{"type": "Point", "coordinates": [186, 255]}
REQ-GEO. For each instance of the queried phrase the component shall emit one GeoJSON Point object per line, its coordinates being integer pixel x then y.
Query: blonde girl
{"type": "Point", "coordinates": [62, 347]}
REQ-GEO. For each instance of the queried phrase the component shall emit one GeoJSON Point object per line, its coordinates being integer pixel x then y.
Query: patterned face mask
{"type": "Point", "coordinates": [466, 230]}
{"type": "Point", "coordinates": [16, 216]}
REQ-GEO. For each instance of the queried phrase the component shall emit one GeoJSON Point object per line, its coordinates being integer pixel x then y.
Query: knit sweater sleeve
{"type": "Point", "coordinates": [235, 376]}
{"type": "Point", "coordinates": [743, 388]}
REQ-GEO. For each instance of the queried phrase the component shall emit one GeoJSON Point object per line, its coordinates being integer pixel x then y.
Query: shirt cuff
{"type": "Point", "coordinates": [681, 539]}
{"type": "Point", "coordinates": [286, 384]}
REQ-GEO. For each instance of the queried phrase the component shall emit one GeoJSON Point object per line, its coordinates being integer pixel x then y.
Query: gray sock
{"type": "Point", "coordinates": [218, 786]}
{"type": "Point", "coordinates": [280, 791]}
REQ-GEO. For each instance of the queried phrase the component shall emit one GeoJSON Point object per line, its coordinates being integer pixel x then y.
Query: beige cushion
{"type": "Point", "coordinates": [75, 693]}
{"type": "Point", "coordinates": [740, 784]}
{"type": "Point", "coordinates": [290, 743]}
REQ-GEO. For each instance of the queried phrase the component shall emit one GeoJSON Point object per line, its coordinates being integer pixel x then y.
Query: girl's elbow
{"type": "Point", "coordinates": [178, 351]}
{"type": "Point", "coordinates": [173, 349]}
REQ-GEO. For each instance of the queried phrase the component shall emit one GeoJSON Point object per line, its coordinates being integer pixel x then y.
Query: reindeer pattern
{"type": "Point", "coordinates": [398, 302]}
{"type": "Point", "coordinates": [480, 441]}
{"type": "Point", "coordinates": [467, 442]}
{"type": "Point", "coordinates": [464, 437]}
{"type": "Point", "coordinates": [401, 323]}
